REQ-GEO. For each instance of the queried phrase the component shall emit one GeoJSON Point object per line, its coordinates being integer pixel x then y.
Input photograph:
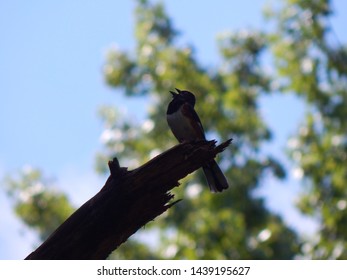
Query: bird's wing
{"type": "Point", "coordinates": [190, 113]}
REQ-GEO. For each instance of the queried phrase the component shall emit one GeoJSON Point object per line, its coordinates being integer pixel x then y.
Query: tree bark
{"type": "Point", "coordinates": [128, 200]}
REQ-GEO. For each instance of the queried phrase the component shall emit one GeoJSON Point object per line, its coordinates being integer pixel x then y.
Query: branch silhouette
{"type": "Point", "coordinates": [127, 201]}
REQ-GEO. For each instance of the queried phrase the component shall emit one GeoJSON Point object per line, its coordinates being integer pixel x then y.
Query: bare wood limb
{"type": "Point", "coordinates": [128, 200]}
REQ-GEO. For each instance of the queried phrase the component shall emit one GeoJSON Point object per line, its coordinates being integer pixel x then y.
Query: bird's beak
{"type": "Point", "coordinates": [174, 94]}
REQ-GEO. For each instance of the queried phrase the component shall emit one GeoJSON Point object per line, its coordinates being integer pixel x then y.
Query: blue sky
{"type": "Point", "coordinates": [51, 85]}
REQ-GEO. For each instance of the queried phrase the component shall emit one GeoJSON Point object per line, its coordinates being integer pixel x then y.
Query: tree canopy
{"type": "Point", "coordinates": [235, 224]}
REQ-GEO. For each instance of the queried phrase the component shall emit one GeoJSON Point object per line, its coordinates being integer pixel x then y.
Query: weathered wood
{"type": "Point", "coordinates": [128, 200]}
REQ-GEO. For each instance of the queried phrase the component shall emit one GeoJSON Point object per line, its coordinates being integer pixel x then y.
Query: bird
{"type": "Point", "coordinates": [186, 126]}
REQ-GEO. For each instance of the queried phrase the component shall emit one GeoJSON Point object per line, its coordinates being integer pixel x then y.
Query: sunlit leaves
{"type": "Point", "coordinates": [40, 206]}
{"type": "Point", "coordinates": [308, 60]}
{"type": "Point", "coordinates": [203, 225]}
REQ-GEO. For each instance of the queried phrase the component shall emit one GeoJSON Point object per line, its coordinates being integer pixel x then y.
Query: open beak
{"type": "Point", "coordinates": [174, 94]}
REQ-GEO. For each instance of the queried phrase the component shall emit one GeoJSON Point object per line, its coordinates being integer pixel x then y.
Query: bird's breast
{"type": "Point", "coordinates": [181, 127]}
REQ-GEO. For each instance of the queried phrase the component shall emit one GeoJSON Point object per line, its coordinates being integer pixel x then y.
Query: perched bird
{"type": "Point", "coordinates": [185, 124]}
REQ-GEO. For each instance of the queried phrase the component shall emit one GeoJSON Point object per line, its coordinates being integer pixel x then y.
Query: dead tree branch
{"type": "Point", "coordinates": [128, 200]}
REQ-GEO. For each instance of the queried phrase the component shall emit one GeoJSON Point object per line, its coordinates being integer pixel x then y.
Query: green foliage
{"type": "Point", "coordinates": [39, 205]}
{"type": "Point", "coordinates": [134, 250]}
{"type": "Point", "coordinates": [232, 225]}
{"type": "Point", "coordinates": [311, 67]}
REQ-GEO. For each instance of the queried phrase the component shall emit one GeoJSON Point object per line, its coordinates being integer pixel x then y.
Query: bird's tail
{"type": "Point", "coordinates": [215, 177]}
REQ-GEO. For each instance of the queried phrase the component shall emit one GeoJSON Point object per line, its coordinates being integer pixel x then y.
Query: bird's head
{"type": "Point", "coordinates": [184, 96]}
